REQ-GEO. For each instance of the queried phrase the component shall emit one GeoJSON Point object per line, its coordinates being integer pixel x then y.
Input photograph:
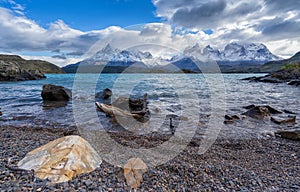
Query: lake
{"type": "Point", "coordinates": [202, 99]}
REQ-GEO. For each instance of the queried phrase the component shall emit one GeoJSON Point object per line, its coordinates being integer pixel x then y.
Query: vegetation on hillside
{"type": "Point", "coordinates": [42, 66]}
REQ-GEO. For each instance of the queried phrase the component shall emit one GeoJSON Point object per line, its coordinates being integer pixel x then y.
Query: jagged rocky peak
{"type": "Point", "coordinates": [241, 52]}
{"type": "Point", "coordinates": [108, 49]}
{"type": "Point", "coordinates": [193, 49]}
{"type": "Point", "coordinates": [234, 51]}
{"type": "Point", "coordinates": [212, 53]}
{"type": "Point", "coordinates": [112, 54]}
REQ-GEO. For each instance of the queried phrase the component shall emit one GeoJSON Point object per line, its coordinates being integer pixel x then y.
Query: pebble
{"type": "Point", "coordinates": [232, 165]}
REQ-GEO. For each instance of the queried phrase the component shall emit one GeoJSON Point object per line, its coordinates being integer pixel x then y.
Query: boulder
{"type": "Point", "coordinates": [132, 105]}
{"type": "Point", "coordinates": [290, 120]}
{"type": "Point", "coordinates": [56, 93]}
{"type": "Point", "coordinates": [62, 159]}
{"type": "Point", "coordinates": [271, 109]}
{"type": "Point", "coordinates": [289, 134]}
{"type": "Point", "coordinates": [258, 112]}
{"type": "Point", "coordinates": [104, 96]}
{"type": "Point", "coordinates": [133, 172]}
{"type": "Point", "coordinates": [107, 93]}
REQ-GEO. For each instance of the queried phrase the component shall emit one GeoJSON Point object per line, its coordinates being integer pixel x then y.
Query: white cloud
{"type": "Point", "coordinates": [56, 61]}
{"type": "Point", "coordinates": [265, 21]}
{"type": "Point", "coordinates": [251, 21]}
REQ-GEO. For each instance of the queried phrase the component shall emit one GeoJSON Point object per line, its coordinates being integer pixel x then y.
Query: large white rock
{"type": "Point", "coordinates": [62, 159]}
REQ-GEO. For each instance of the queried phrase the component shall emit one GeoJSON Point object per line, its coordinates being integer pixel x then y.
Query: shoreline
{"type": "Point", "coordinates": [244, 165]}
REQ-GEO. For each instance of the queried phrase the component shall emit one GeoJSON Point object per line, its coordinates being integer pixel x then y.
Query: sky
{"type": "Point", "coordinates": [64, 31]}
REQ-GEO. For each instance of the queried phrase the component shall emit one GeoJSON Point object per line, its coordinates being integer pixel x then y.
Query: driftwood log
{"type": "Point", "coordinates": [126, 107]}
{"type": "Point", "coordinates": [114, 111]}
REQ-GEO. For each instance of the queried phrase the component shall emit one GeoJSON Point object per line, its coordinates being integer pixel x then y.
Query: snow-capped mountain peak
{"type": "Point", "coordinates": [108, 49]}
{"type": "Point", "coordinates": [110, 54]}
{"type": "Point", "coordinates": [234, 52]}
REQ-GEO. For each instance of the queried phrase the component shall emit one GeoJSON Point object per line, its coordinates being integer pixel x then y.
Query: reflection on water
{"type": "Point", "coordinates": [22, 104]}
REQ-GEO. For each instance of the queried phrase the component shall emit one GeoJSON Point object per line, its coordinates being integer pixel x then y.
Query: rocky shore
{"type": "Point", "coordinates": [229, 165]}
{"type": "Point", "coordinates": [288, 72]}
{"type": "Point", "coordinates": [15, 68]}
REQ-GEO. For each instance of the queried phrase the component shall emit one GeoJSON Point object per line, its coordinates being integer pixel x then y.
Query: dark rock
{"type": "Point", "coordinates": [104, 96]}
{"type": "Point", "coordinates": [287, 74]}
{"type": "Point", "coordinates": [235, 117]}
{"type": "Point", "coordinates": [291, 120]}
{"type": "Point", "coordinates": [55, 93]}
{"type": "Point", "coordinates": [231, 118]}
{"type": "Point", "coordinates": [107, 93]}
{"type": "Point", "coordinates": [269, 79]}
{"type": "Point", "coordinates": [54, 104]}
{"type": "Point", "coordinates": [258, 112]}
{"type": "Point", "coordinates": [250, 78]}
{"type": "Point", "coordinates": [12, 71]}
{"type": "Point", "coordinates": [289, 112]}
{"type": "Point", "coordinates": [265, 79]}
{"type": "Point", "coordinates": [132, 105]}
{"type": "Point", "coordinates": [289, 134]}
{"type": "Point", "coordinates": [249, 107]}
{"type": "Point", "coordinates": [272, 110]}
{"type": "Point", "coordinates": [294, 82]}
{"type": "Point", "coordinates": [228, 122]}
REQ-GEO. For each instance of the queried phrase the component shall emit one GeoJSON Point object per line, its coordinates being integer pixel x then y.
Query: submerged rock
{"type": "Point", "coordinates": [62, 159]}
{"type": "Point", "coordinates": [228, 121]}
{"type": "Point", "coordinates": [289, 134]}
{"type": "Point", "coordinates": [105, 94]}
{"type": "Point", "coordinates": [132, 105]}
{"type": "Point", "coordinates": [291, 120]}
{"type": "Point", "coordinates": [258, 112]}
{"type": "Point", "coordinates": [294, 82]}
{"type": "Point", "coordinates": [265, 79]}
{"type": "Point", "coordinates": [56, 93]}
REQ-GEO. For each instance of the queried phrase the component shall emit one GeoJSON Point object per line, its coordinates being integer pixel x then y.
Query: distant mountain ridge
{"type": "Point", "coordinates": [273, 66]}
{"type": "Point", "coordinates": [234, 54]}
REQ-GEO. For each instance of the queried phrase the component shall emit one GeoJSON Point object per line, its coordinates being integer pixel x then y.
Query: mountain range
{"type": "Point", "coordinates": [234, 55]}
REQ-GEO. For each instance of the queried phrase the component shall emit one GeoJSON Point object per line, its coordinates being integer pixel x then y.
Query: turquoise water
{"type": "Point", "coordinates": [168, 94]}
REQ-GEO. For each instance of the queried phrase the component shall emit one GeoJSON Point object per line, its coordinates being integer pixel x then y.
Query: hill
{"type": "Point", "coordinates": [273, 66]}
{"type": "Point", "coordinates": [15, 68]}
{"type": "Point", "coordinates": [42, 66]}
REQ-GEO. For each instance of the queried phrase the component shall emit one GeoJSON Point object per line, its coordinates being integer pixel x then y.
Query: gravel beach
{"type": "Point", "coordinates": [229, 165]}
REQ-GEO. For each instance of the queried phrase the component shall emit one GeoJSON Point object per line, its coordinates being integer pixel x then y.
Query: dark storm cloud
{"type": "Point", "coordinates": [56, 51]}
{"type": "Point", "coordinates": [282, 5]}
{"type": "Point", "coordinates": [89, 37]}
{"type": "Point", "coordinates": [62, 57]}
{"type": "Point", "coordinates": [76, 53]}
{"type": "Point", "coordinates": [244, 9]}
{"type": "Point", "coordinates": [202, 15]}
{"type": "Point", "coordinates": [283, 29]}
